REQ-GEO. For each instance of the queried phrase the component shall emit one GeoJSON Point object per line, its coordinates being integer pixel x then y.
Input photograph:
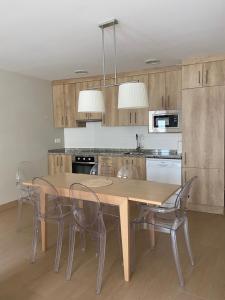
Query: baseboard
{"type": "Point", "coordinates": [8, 205]}
{"type": "Point", "coordinates": [206, 208]}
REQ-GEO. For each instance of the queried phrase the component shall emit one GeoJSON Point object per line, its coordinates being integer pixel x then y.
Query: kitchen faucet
{"type": "Point", "coordinates": [138, 148]}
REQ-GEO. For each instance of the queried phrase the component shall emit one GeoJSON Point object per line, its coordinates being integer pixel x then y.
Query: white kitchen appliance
{"type": "Point", "coordinates": [164, 171]}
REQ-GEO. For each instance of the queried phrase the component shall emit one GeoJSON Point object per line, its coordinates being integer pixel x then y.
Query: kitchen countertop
{"type": "Point", "coordinates": [147, 153]}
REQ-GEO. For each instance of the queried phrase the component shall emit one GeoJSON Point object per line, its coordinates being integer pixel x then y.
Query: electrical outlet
{"type": "Point", "coordinates": [57, 140]}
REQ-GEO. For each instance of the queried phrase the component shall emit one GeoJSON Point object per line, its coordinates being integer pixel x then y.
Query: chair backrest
{"type": "Point", "coordinates": [52, 200]}
{"type": "Point", "coordinates": [184, 195]}
{"type": "Point", "coordinates": [128, 171]}
{"type": "Point", "coordinates": [94, 170]}
{"type": "Point", "coordinates": [86, 208]}
{"type": "Point", "coordinates": [25, 171]}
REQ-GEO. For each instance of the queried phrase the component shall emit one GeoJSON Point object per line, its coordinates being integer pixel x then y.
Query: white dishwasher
{"type": "Point", "coordinates": [165, 171]}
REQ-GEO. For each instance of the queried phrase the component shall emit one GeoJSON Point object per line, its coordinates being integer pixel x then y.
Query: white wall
{"type": "Point", "coordinates": [95, 136]}
{"type": "Point", "coordinates": [26, 127]}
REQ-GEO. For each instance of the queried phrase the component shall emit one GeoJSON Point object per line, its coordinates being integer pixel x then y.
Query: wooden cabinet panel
{"type": "Point", "coordinates": [157, 91]}
{"type": "Point", "coordinates": [133, 117]}
{"type": "Point", "coordinates": [59, 163]}
{"type": "Point", "coordinates": [105, 166]}
{"type": "Point", "coordinates": [214, 73]}
{"type": "Point", "coordinates": [208, 190]}
{"type": "Point", "coordinates": [58, 105]}
{"type": "Point", "coordinates": [110, 117]}
{"type": "Point", "coordinates": [192, 76]}
{"type": "Point", "coordinates": [70, 105]}
{"type": "Point", "coordinates": [173, 90]}
{"type": "Point", "coordinates": [203, 127]}
{"type": "Point", "coordinates": [80, 86]}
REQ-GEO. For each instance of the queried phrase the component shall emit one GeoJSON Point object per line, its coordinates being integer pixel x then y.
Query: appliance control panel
{"type": "Point", "coordinates": [85, 159]}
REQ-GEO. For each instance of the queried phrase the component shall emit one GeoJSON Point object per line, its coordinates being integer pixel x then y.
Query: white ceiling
{"type": "Point", "coordinates": [51, 38]}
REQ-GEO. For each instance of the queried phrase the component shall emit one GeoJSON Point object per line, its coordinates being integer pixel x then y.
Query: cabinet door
{"type": "Point", "coordinates": [141, 167]}
{"type": "Point", "coordinates": [105, 166]}
{"type": "Point", "coordinates": [65, 163]}
{"type": "Point", "coordinates": [203, 127]}
{"type": "Point", "coordinates": [110, 117]}
{"type": "Point", "coordinates": [191, 76]}
{"type": "Point", "coordinates": [173, 90]}
{"type": "Point", "coordinates": [80, 86]}
{"type": "Point", "coordinates": [139, 116]}
{"type": "Point", "coordinates": [70, 105]}
{"type": "Point", "coordinates": [157, 93]}
{"type": "Point", "coordinates": [54, 164]}
{"type": "Point", "coordinates": [95, 84]}
{"type": "Point", "coordinates": [214, 73]}
{"type": "Point", "coordinates": [208, 189]}
{"type": "Point", "coordinates": [58, 105]}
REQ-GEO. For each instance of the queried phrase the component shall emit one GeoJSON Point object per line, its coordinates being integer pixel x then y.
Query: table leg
{"type": "Point", "coordinates": [125, 236]}
{"type": "Point", "coordinates": [43, 223]}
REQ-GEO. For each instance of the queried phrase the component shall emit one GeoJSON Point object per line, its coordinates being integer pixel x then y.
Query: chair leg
{"type": "Point", "coordinates": [187, 240]}
{"type": "Point", "coordinates": [35, 240]}
{"type": "Point", "coordinates": [83, 240]}
{"type": "Point", "coordinates": [72, 237]}
{"type": "Point", "coordinates": [19, 213]}
{"type": "Point", "coordinates": [101, 262]}
{"type": "Point", "coordinates": [59, 246]}
{"type": "Point", "coordinates": [176, 257]}
{"type": "Point", "coordinates": [151, 219]}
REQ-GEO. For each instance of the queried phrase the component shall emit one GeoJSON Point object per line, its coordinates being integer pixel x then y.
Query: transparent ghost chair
{"type": "Point", "coordinates": [94, 170]}
{"type": "Point", "coordinates": [56, 212]}
{"type": "Point", "coordinates": [25, 171]}
{"type": "Point", "coordinates": [88, 218]}
{"type": "Point", "coordinates": [168, 220]}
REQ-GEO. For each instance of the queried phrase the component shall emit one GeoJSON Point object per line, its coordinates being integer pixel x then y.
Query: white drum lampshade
{"type": "Point", "coordinates": [132, 95]}
{"type": "Point", "coordinates": [91, 101]}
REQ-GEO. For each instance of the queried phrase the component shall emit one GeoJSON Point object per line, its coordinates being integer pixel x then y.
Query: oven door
{"type": "Point", "coordinates": [82, 167]}
{"type": "Point", "coordinates": [164, 121]}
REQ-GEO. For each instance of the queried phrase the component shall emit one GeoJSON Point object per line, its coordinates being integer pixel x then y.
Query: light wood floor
{"type": "Point", "coordinates": [155, 277]}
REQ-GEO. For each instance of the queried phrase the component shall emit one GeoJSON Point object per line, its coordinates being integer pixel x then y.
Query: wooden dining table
{"type": "Point", "coordinates": [120, 192]}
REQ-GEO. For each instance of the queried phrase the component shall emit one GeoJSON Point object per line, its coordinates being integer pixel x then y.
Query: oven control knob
{"type": "Point", "coordinates": [89, 158]}
{"type": "Point", "coordinates": [78, 158]}
{"type": "Point", "coordinates": [83, 158]}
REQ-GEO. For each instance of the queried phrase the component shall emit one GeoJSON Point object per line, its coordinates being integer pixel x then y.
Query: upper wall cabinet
{"type": "Point", "coordinates": [203, 74]}
{"type": "Point", "coordinates": [64, 105]}
{"type": "Point", "coordinates": [80, 86]}
{"type": "Point", "coordinates": [133, 117]}
{"type": "Point", "coordinates": [110, 117]}
{"type": "Point", "coordinates": [165, 90]}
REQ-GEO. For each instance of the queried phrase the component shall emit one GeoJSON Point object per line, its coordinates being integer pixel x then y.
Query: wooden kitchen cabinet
{"type": "Point", "coordinates": [214, 73]}
{"type": "Point", "coordinates": [165, 90]}
{"type": "Point", "coordinates": [203, 74]}
{"type": "Point", "coordinates": [84, 85]}
{"type": "Point", "coordinates": [133, 117]}
{"type": "Point", "coordinates": [59, 163]}
{"type": "Point", "coordinates": [111, 115]}
{"type": "Point", "coordinates": [110, 165]}
{"type": "Point", "coordinates": [105, 166]}
{"type": "Point", "coordinates": [208, 190]}
{"type": "Point", "coordinates": [192, 76]}
{"type": "Point", "coordinates": [64, 105]}
{"type": "Point", "coordinates": [203, 127]}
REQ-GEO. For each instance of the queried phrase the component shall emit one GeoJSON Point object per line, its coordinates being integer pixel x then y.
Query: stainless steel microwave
{"type": "Point", "coordinates": [164, 121]}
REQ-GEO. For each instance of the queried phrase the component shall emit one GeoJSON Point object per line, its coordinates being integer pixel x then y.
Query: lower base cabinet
{"type": "Point", "coordinates": [110, 165]}
{"type": "Point", "coordinates": [59, 163]}
{"type": "Point", "coordinates": [208, 190]}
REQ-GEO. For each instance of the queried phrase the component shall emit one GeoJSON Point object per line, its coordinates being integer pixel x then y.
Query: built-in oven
{"type": "Point", "coordinates": [164, 121]}
{"type": "Point", "coordinates": [85, 164]}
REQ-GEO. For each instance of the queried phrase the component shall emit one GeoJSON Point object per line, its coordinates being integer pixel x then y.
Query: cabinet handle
{"type": "Point", "coordinates": [66, 120]}
{"type": "Point", "coordinates": [130, 117]}
{"type": "Point", "coordinates": [199, 77]}
{"type": "Point", "coordinates": [62, 121]}
{"type": "Point", "coordinates": [57, 161]}
{"type": "Point", "coordinates": [206, 76]}
{"type": "Point", "coordinates": [162, 102]}
{"type": "Point", "coordinates": [135, 117]}
{"type": "Point", "coordinates": [168, 101]}
{"type": "Point", "coordinates": [61, 163]}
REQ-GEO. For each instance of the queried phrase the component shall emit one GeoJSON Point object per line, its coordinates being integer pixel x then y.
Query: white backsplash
{"type": "Point", "coordinates": [96, 136]}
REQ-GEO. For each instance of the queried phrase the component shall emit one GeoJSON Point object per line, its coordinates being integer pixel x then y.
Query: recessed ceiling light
{"type": "Point", "coordinates": [152, 61]}
{"type": "Point", "coordinates": [81, 71]}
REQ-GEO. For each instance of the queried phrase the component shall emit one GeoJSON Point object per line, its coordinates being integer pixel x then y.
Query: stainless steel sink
{"type": "Point", "coordinates": [134, 153]}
